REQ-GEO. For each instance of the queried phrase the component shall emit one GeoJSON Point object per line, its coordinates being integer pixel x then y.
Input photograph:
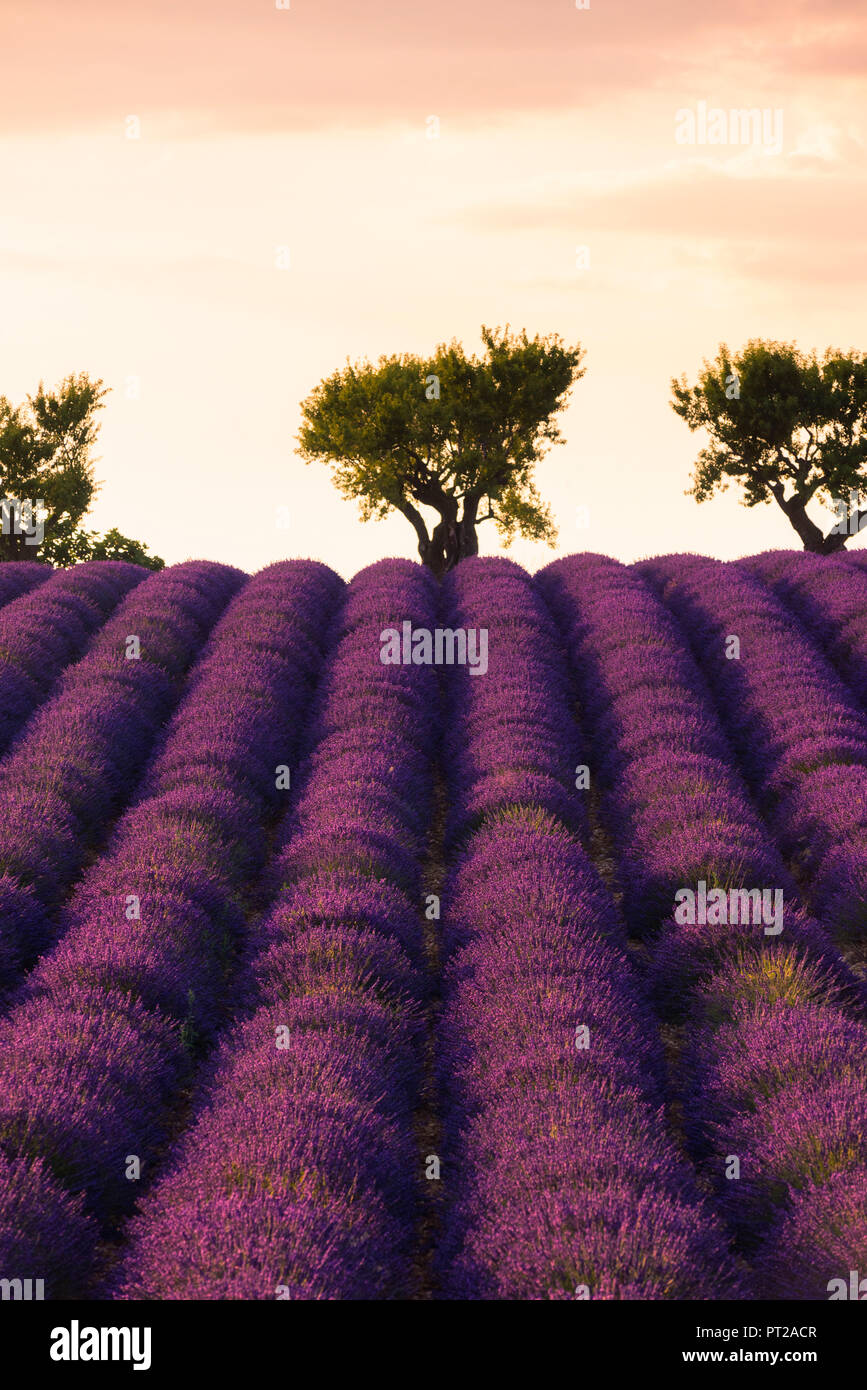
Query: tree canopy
{"type": "Point", "coordinates": [90, 545]}
{"type": "Point", "coordinates": [457, 434]}
{"type": "Point", "coordinates": [47, 480]}
{"type": "Point", "coordinates": [787, 426]}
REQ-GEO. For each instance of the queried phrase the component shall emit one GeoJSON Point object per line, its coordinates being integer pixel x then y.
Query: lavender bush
{"type": "Point", "coordinates": [100, 1035]}
{"type": "Point", "coordinates": [84, 750]}
{"type": "Point", "coordinates": [47, 628]}
{"type": "Point", "coordinates": [550, 1058]}
{"type": "Point", "coordinates": [20, 577]}
{"type": "Point", "coordinates": [800, 734]}
{"type": "Point", "coordinates": [299, 1177]}
{"type": "Point", "coordinates": [678, 812]}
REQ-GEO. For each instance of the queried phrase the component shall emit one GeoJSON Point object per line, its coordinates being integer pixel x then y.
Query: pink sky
{"type": "Point", "coordinates": [151, 262]}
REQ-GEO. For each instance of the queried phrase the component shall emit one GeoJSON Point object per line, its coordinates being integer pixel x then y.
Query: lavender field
{"type": "Point", "coordinates": [334, 968]}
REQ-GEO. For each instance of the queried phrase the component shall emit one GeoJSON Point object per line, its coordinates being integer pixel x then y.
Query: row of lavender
{"type": "Point", "coordinates": [49, 627]}
{"type": "Point", "coordinates": [21, 577]}
{"type": "Point", "coordinates": [79, 758]}
{"type": "Point", "coordinates": [771, 1073]}
{"type": "Point", "coordinates": [802, 743]}
{"type": "Point", "coordinates": [799, 732]}
{"type": "Point", "coordinates": [566, 1182]}
{"type": "Point", "coordinates": [299, 1177]}
{"type": "Point", "coordinates": [102, 1036]}
{"type": "Point", "coordinates": [830, 600]}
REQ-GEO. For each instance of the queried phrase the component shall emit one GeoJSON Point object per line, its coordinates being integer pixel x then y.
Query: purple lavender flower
{"type": "Point", "coordinates": [19, 577]}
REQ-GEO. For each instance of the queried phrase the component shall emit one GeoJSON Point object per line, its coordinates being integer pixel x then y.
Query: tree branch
{"type": "Point", "coordinates": [416, 518]}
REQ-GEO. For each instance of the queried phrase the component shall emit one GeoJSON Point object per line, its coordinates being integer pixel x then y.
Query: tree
{"type": "Point", "coordinates": [47, 482]}
{"type": "Point", "coordinates": [460, 435]}
{"type": "Point", "coordinates": [788, 427]}
{"type": "Point", "coordinates": [45, 449]}
{"type": "Point", "coordinates": [114, 546]}
{"type": "Point", "coordinates": [89, 545]}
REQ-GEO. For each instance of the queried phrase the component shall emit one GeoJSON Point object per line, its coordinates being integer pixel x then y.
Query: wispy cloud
{"type": "Point", "coordinates": [327, 62]}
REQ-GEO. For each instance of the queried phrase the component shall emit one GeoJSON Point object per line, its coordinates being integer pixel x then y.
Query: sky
{"type": "Point", "coordinates": [430, 168]}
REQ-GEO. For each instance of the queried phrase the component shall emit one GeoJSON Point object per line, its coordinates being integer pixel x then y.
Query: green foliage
{"type": "Point", "coordinates": [45, 448]}
{"type": "Point", "coordinates": [46, 453]}
{"type": "Point", "coordinates": [787, 426]}
{"type": "Point", "coordinates": [445, 432]}
{"type": "Point", "coordinates": [114, 546]}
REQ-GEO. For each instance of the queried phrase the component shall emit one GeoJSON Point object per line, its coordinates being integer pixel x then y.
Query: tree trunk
{"type": "Point", "coordinates": [444, 546]}
{"type": "Point", "coordinates": [12, 546]}
{"type": "Point", "coordinates": [808, 531]}
{"type": "Point", "coordinates": [833, 543]}
{"type": "Point", "coordinates": [468, 539]}
{"type": "Point", "coordinates": [453, 538]}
